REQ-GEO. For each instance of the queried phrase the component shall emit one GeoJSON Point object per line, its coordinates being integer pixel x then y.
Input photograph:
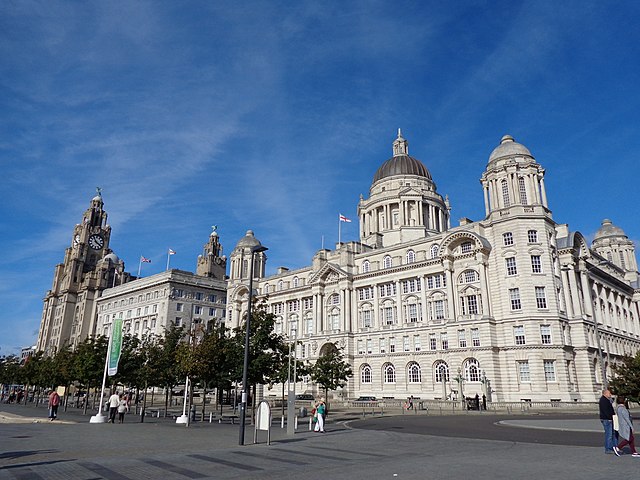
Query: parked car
{"type": "Point", "coordinates": [305, 396]}
{"type": "Point", "coordinates": [366, 399]}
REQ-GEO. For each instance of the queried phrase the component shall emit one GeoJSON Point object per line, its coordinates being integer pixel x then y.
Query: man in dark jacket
{"type": "Point", "coordinates": [606, 418]}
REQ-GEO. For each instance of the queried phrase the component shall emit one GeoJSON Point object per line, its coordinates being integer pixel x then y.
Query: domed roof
{"type": "Point", "coordinates": [608, 229]}
{"type": "Point", "coordinates": [401, 163]}
{"type": "Point", "coordinates": [509, 148]}
{"type": "Point", "coordinates": [248, 241]}
{"type": "Point", "coordinates": [111, 257]}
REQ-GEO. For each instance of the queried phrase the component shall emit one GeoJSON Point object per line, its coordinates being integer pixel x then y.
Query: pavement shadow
{"type": "Point", "coordinates": [24, 453]}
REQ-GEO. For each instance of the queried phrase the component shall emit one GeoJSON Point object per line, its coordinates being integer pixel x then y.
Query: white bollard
{"type": "Point", "coordinates": [210, 417]}
{"type": "Point", "coordinates": [295, 423]}
{"type": "Point", "coordinates": [310, 423]}
{"type": "Point", "coordinates": [282, 422]}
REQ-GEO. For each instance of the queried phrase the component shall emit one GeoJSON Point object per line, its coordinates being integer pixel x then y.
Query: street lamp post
{"type": "Point", "coordinates": [291, 393]}
{"type": "Point", "coordinates": [243, 404]}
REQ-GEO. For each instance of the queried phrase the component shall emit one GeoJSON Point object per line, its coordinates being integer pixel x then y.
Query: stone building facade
{"type": "Point", "coordinates": [515, 306]}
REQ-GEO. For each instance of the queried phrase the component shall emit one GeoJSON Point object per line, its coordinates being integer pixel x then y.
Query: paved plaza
{"type": "Point", "coordinates": [464, 446]}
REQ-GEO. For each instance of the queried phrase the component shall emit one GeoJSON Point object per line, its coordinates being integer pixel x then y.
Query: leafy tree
{"type": "Point", "coordinates": [88, 363]}
{"type": "Point", "coordinates": [9, 370]}
{"type": "Point", "coordinates": [331, 371]}
{"type": "Point", "coordinates": [166, 364]}
{"type": "Point", "coordinates": [627, 377]}
{"type": "Point", "coordinates": [265, 348]}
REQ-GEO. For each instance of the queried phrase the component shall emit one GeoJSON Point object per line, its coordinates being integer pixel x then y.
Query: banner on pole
{"type": "Point", "coordinates": [115, 346]}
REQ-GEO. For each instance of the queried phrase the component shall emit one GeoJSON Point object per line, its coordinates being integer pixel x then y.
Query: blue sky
{"type": "Point", "coordinates": [274, 116]}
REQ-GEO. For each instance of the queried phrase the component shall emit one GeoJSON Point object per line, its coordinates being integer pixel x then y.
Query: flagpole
{"type": "Point", "coordinates": [139, 265]}
{"type": "Point", "coordinates": [99, 418]}
{"type": "Point", "coordinates": [168, 257]}
{"type": "Point", "coordinates": [339, 229]}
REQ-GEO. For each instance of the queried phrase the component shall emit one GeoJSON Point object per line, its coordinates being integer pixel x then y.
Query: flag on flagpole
{"type": "Point", "coordinates": [144, 259]}
{"type": "Point", "coordinates": [171, 252]}
{"type": "Point", "coordinates": [344, 219]}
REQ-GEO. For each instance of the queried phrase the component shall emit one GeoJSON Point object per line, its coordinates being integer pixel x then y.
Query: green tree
{"type": "Point", "coordinates": [331, 371]}
{"type": "Point", "coordinates": [627, 377]}
{"type": "Point", "coordinates": [265, 348]}
{"type": "Point", "coordinates": [166, 364]}
{"type": "Point", "coordinates": [88, 363]}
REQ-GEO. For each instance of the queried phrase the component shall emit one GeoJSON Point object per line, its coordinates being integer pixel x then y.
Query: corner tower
{"type": "Point", "coordinates": [403, 203]}
{"type": "Point", "coordinates": [212, 263]}
{"type": "Point", "coordinates": [513, 178]}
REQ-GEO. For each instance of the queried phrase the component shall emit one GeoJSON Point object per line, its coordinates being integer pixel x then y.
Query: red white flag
{"type": "Point", "coordinates": [171, 252]}
{"type": "Point", "coordinates": [344, 219]}
{"type": "Point", "coordinates": [145, 260]}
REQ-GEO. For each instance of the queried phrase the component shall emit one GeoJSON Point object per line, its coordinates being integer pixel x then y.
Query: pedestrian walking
{"type": "Point", "coordinates": [321, 409]}
{"type": "Point", "coordinates": [123, 407]}
{"type": "Point", "coordinates": [114, 401]}
{"type": "Point", "coordinates": [54, 402]}
{"type": "Point", "coordinates": [625, 428]}
{"type": "Point", "coordinates": [606, 418]}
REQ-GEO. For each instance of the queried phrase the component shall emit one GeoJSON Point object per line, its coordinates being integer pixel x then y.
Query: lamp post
{"type": "Point", "coordinates": [291, 393]}
{"type": "Point", "coordinates": [243, 402]}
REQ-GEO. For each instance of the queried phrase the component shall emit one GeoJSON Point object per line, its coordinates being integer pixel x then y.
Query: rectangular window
{"type": "Point", "coordinates": [383, 345]}
{"type": "Point", "coordinates": [532, 236]}
{"type": "Point", "coordinates": [507, 239]}
{"type": "Point", "coordinates": [514, 297]}
{"type": "Point", "coordinates": [212, 312]}
{"type": "Point", "coordinates": [294, 305]}
{"type": "Point", "coordinates": [462, 339]}
{"type": "Point", "coordinates": [470, 305]}
{"type": "Point", "coordinates": [466, 247]}
{"type": "Point", "coordinates": [536, 264]}
{"type": "Point", "coordinates": [179, 294]}
{"type": "Point", "coordinates": [523, 372]}
{"type": "Point", "coordinates": [307, 303]}
{"type": "Point", "coordinates": [335, 321]}
{"type": "Point", "coordinates": [387, 290]}
{"type": "Point", "coordinates": [197, 310]}
{"type": "Point", "coordinates": [412, 311]}
{"type": "Point", "coordinates": [369, 346]}
{"type": "Point", "coordinates": [388, 315]}
{"type": "Point", "coordinates": [439, 309]}
{"type": "Point", "coordinates": [128, 313]}
{"type": "Point", "coordinates": [309, 326]}
{"type": "Point", "coordinates": [365, 293]}
{"type": "Point", "coordinates": [199, 296]}
{"type": "Point", "coordinates": [475, 337]}
{"type": "Point", "coordinates": [512, 269]}
{"type": "Point", "coordinates": [410, 286]}
{"type": "Point", "coordinates": [541, 298]}
{"type": "Point", "coordinates": [178, 321]}
{"type": "Point", "coordinates": [444, 341]}
{"type": "Point", "coordinates": [550, 370]}
{"type": "Point", "coordinates": [545, 334]}
{"type": "Point", "coordinates": [155, 308]}
{"type": "Point", "coordinates": [433, 343]}
{"type": "Point", "coordinates": [366, 318]}
{"type": "Point", "coordinates": [416, 343]}
{"type": "Point", "coordinates": [360, 347]}
{"type": "Point", "coordinates": [406, 347]}
{"type": "Point", "coordinates": [138, 311]}
{"type": "Point", "coordinates": [212, 298]}
{"type": "Point", "coordinates": [392, 345]}
{"type": "Point", "coordinates": [518, 335]}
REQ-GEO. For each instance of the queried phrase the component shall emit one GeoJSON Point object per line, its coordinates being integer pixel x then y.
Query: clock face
{"type": "Point", "coordinates": [96, 242]}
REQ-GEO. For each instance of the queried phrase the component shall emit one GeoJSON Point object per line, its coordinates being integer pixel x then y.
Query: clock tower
{"type": "Point", "coordinates": [89, 266]}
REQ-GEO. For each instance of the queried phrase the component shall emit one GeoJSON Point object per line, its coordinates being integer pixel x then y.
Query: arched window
{"type": "Point", "coordinates": [389, 373]}
{"type": "Point", "coordinates": [523, 190]}
{"type": "Point", "coordinates": [387, 262]}
{"type": "Point", "coordinates": [280, 285]}
{"type": "Point", "coordinates": [468, 276]}
{"type": "Point", "coordinates": [296, 282]}
{"type": "Point", "coordinates": [267, 288]}
{"type": "Point", "coordinates": [505, 194]}
{"type": "Point", "coordinates": [365, 374]}
{"type": "Point", "coordinates": [441, 370]}
{"type": "Point", "coordinates": [434, 251]}
{"type": "Point", "coordinates": [365, 266]}
{"type": "Point", "coordinates": [471, 369]}
{"type": "Point", "coordinates": [413, 373]}
{"type": "Point", "coordinates": [411, 256]}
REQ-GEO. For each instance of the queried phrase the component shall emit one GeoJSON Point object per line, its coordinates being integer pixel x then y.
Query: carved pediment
{"type": "Point", "coordinates": [328, 273]}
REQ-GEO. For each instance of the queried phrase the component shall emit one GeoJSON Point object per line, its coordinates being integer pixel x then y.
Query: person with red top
{"type": "Point", "coordinates": [54, 401]}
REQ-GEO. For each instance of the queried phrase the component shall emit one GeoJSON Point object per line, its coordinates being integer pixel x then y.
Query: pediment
{"type": "Point", "coordinates": [329, 272]}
